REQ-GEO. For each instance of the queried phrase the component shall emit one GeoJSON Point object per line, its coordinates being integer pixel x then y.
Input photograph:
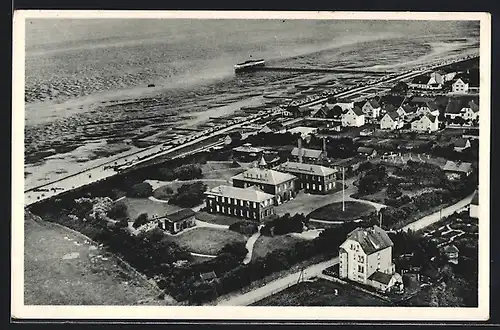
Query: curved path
{"type": "Point", "coordinates": [249, 245]}
{"type": "Point", "coordinates": [200, 223]}
{"type": "Point", "coordinates": [202, 255]}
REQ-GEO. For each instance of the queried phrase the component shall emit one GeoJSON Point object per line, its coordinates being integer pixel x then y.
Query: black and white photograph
{"type": "Point", "coordinates": [196, 164]}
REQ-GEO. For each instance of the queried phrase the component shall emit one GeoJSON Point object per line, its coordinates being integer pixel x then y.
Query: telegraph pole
{"type": "Point", "coordinates": [343, 189]}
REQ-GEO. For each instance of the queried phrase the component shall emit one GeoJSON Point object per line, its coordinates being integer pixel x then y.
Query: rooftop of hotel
{"type": "Point", "coordinates": [307, 168]}
{"type": "Point", "coordinates": [262, 175]}
{"type": "Point", "coordinates": [246, 194]}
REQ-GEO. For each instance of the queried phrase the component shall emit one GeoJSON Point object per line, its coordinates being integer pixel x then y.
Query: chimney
{"type": "Point", "coordinates": [299, 142]}
{"type": "Point", "coordinates": [324, 146]}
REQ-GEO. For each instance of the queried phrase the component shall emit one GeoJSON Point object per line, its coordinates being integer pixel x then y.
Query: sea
{"type": "Point", "coordinates": [86, 80]}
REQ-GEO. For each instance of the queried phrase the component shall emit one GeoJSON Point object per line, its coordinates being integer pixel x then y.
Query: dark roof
{"type": "Point", "coordinates": [475, 198]}
{"type": "Point", "coordinates": [421, 80]}
{"type": "Point", "coordinates": [432, 105]}
{"type": "Point", "coordinates": [408, 108]}
{"type": "Point", "coordinates": [374, 103]}
{"type": "Point", "coordinates": [474, 106]}
{"type": "Point", "coordinates": [460, 142]}
{"type": "Point", "coordinates": [308, 153]}
{"type": "Point", "coordinates": [421, 99]}
{"type": "Point", "coordinates": [371, 239]}
{"type": "Point", "coordinates": [471, 77]}
{"type": "Point", "coordinates": [380, 277]}
{"type": "Point", "coordinates": [358, 111]}
{"type": "Point", "coordinates": [208, 276]}
{"type": "Point", "coordinates": [275, 126]}
{"type": "Point", "coordinates": [431, 117]}
{"type": "Point", "coordinates": [180, 215]}
{"type": "Point", "coordinates": [450, 248]}
{"type": "Point", "coordinates": [389, 108]}
{"type": "Point", "coordinates": [394, 115]}
{"type": "Point", "coordinates": [365, 150]}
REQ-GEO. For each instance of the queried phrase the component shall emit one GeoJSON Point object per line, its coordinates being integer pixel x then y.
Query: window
{"type": "Point", "coordinates": [235, 201]}
{"type": "Point", "coordinates": [217, 198]}
{"type": "Point", "coordinates": [225, 199]}
{"type": "Point", "coordinates": [361, 269]}
{"type": "Point", "coordinates": [223, 209]}
{"type": "Point", "coordinates": [217, 207]}
{"type": "Point", "coordinates": [241, 202]}
{"type": "Point", "coordinates": [378, 256]}
{"type": "Point", "coordinates": [320, 187]}
{"type": "Point", "coordinates": [361, 258]}
{"type": "Point", "coordinates": [254, 204]}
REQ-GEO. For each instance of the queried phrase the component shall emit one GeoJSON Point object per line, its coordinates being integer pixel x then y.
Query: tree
{"type": "Point", "coordinates": [236, 249]}
{"type": "Point", "coordinates": [335, 112]}
{"type": "Point", "coordinates": [141, 219]}
{"type": "Point", "coordinates": [140, 190]}
{"type": "Point", "coordinates": [393, 191]}
{"type": "Point", "coordinates": [188, 172]}
{"type": "Point", "coordinates": [118, 211]}
{"type": "Point", "coordinates": [368, 184]}
{"type": "Point", "coordinates": [189, 195]}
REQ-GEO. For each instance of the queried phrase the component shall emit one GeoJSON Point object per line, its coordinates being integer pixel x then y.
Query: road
{"type": "Point", "coordinates": [311, 271]}
{"type": "Point", "coordinates": [435, 217]}
{"type": "Point", "coordinates": [277, 285]}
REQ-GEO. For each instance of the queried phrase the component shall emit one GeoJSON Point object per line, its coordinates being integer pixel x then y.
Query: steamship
{"type": "Point", "coordinates": [249, 65]}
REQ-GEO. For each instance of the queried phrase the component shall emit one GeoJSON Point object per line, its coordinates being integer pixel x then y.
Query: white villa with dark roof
{"type": "Point", "coordinates": [366, 257]}
{"type": "Point", "coordinates": [246, 203]}
{"type": "Point", "coordinates": [353, 117]}
{"type": "Point", "coordinates": [426, 123]}
{"type": "Point", "coordinates": [371, 108]}
{"type": "Point", "coordinates": [391, 121]}
{"type": "Point", "coordinates": [312, 178]}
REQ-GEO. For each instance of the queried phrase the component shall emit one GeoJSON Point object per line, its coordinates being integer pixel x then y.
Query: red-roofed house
{"type": "Point", "coordinates": [353, 117]}
{"type": "Point", "coordinates": [366, 257]}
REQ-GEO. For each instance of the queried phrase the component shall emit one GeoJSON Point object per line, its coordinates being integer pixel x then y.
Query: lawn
{"type": "Point", "coordinates": [62, 268]}
{"type": "Point", "coordinates": [218, 219]}
{"type": "Point", "coordinates": [163, 194]}
{"type": "Point", "coordinates": [321, 293]}
{"type": "Point", "coordinates": [334, 212]}
{"type": "Point", "coordinates": [306, 203]}
{"type": "Point", "coordinates": [224, 174]}
{"type": "Point", "coordinates": [216, 166]}
{"type": "Point", "coordinates": [206, 240]}
{"type": "Point", "coordinates": [266, 244]}
{"type": "Point", "coordinates": [136, 206]}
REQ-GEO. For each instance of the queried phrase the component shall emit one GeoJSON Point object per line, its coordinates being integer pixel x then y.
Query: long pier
{"type": "Point", "coordinates": [318, 70]}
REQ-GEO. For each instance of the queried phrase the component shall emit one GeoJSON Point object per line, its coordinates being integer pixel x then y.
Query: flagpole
{"type": "Point", "coordinates": [343, 189]}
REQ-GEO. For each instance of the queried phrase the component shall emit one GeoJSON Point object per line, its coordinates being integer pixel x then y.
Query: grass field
{"type": "Point", "coordinates": [266, 244]}
{"type": "Point", "coordinates": [161, 193]}
{"type": "Point", "coordinates": [206, 240]}
{"type": "Point", "coordinates": [321, 293]}
{"type": "Point", "coordinates": [218, 219]}
{"type": "Point", "coordinates": [62, 268]}
{"type": "Point", "coordinates": [136, 206]}
{"type": "Point", "coordinates": [333, 212]}
{"type": "Point", "coordinates": [223, 174]}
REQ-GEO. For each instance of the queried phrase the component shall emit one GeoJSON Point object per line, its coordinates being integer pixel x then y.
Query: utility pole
{"type": "Point", "coordinates": [343, 189]}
